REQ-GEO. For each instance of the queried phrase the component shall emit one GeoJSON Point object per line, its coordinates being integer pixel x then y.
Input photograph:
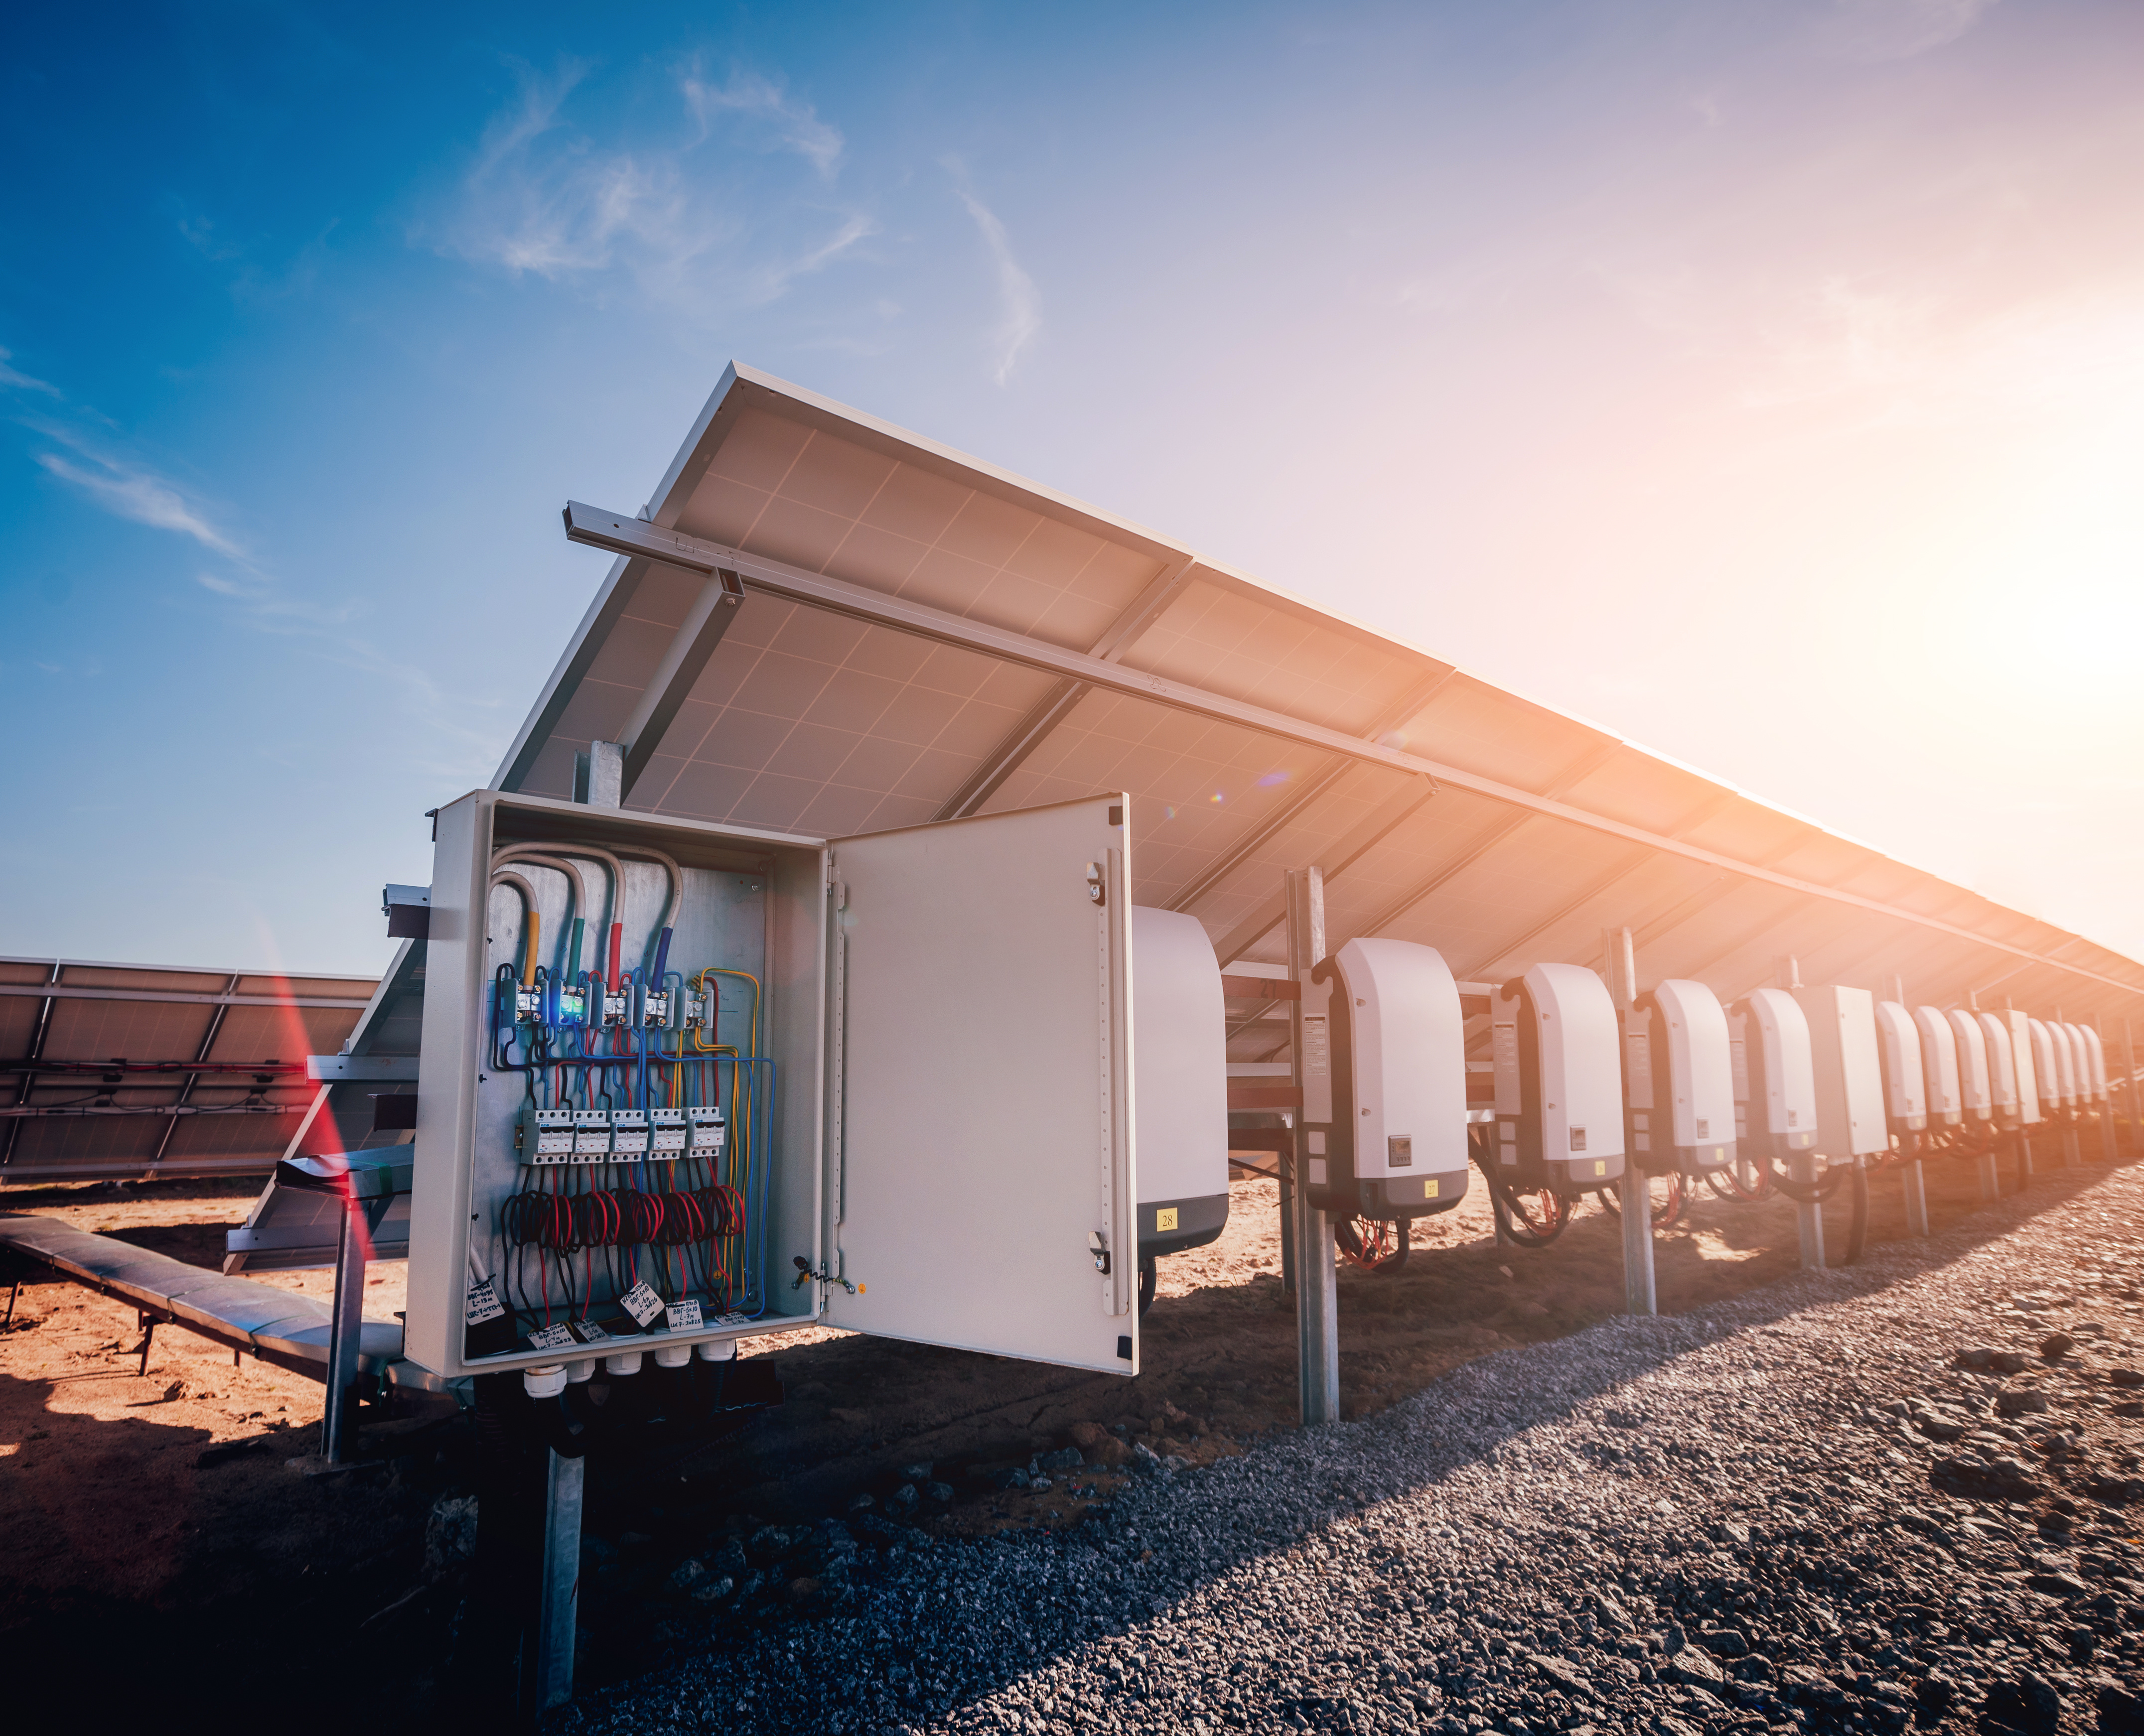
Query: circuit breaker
{"type": "Point", "coordinates": [682, 1083]}
{"type": "Point", "coordinates": [1850, 1117]}
{"type": "Point", "coordinates": [1774, 1076]}
{"type": "Point", "coordinates": [1939, 1067]}
{"type": "Point", "coordinates": [1384, 1083]}
{"type": "Point", "coordinates": [1905, 1072]}
{"type": "Point", "coordinates": [1678, 1081]}
{"type": "Point", "coordinates": [1180, 1055]}
{"type": "Point", "coordinates": [1556, 1047]}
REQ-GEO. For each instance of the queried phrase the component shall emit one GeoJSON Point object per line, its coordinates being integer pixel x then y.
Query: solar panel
{"type": "Point", "coordinates": [922, 636]}
{"type": "Point", "coordinates": [120, 1070]}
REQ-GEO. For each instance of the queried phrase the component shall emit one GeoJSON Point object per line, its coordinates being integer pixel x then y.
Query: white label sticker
{"type": "Point", "coordinates": [482, 1304]}
{"type": "Point", "coordinates": [642, 1303]}
{"type": "Point", "coordinates": [551, 1338]}
{"type": "Point", "coordinates": [731, 1320]}
{"type": "Point", "coordinates": [685, 1316]}
{"type": "Point", "coordinates": [589, 1332]}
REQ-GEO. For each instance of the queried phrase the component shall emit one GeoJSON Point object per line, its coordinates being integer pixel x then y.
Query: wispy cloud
{"type": "Point", "coordinates": [22, 382]}
{"type": "Point", "coordinates": [146, 498]}
{"type": "Point", "coordinates": [1881, 30]}
{"type": "Point", "coordinates": [794, 125]}
{"type": "Point", "coordinates": [548, 198]}
{"type": "Point", "coordinates": [1020, 305]}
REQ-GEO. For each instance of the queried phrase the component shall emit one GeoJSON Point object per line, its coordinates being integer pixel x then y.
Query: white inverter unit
{"type": "Point", "coordinates": [2010, 1067]}
{"type": "Point", "coordinates": [1384, 1083]}
{"type": "Point", "coordinates": [2046, 1072]}
{"type": "Point", "coordinates": [2070, 1062]}
{"type": "Point", "coordinates": [1556, 1047]}
{"type": "Point", "coordinates": [1939, 1067]}
{"type": "Point", "coordinates": [2096, 1060]}
{"type": "Point", "coordinates": [1180, 1095]}
{"type": "Point", "coordinates": [1850, 1120]}
{"type": "Point", "coordinates": [1905, 1077]}
{"type": "Point", "coordinates": [1976, 1088]}
{"type": "Point", "coordinates": [685, 1082]}
{"type": "Point", "coordinates": [1774, 1076]}
{"type": "Point", "coordinates": [1678, 1081]}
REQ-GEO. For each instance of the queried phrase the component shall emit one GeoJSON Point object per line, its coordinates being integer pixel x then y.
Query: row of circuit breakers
{"type": "Point", "coordinates": [1827, 1075]}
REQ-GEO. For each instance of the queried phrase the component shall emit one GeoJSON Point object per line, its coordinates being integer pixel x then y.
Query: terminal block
{"type": "Point", "coordinates": [528, 1003]}
{"type": "Point", "coordinates": [591, 1136]}
{"type": "Point", "coordinates": [616, 1004]}
{"type": "Point", "coordinates": [709, 1131]}
{"type": "Point", "coordinates": [628, 1133]}
{"type": "Point", "coordinates": [667, 1132]}
{"type": "Point", "coordinates": [545, 1136]}
{"type": "Point", "coordinates": [699, 1012]}
{"type": "Point", "coordinates": [655, 1009]}
{"type": "Point", "coordinates": [568, 1006]}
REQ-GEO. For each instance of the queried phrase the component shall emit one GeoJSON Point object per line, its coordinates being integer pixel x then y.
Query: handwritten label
{"type": "Point", "coordinates": [642, 1303]}
{"type": "Point", "coordinates": [685, 1316]}
{"type": "Point", "coordinates": [482, 1304]}
{"type": "Point", "coordinates": [551, 1338]}
{"type": "Point", "coordinates": [589, 1332]}
{"type": "Point", "coordinates": [732, 1319]}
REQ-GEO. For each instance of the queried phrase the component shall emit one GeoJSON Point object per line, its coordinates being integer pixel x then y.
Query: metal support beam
{"type": "Point", "coordinates": [37, 1052]}
{"type": "Point", "coordinates": [1563, 913]}
{"type": "Point", "coordinates": [1029, 733]}
{"type": "Point", "coordinates": [691, 647]}
{"type": "Point", "coordinates": [345, 1325]}
{"type": "Point", "coordinates": [1292, 809]}
{"type": "Point", "coordinates": [1635, 1190]}
{"type": "Point", "coordinates": [1349, 851]}
{"type": "Point", "coordinates": [622, 533]}
{"type": "Point", "coordinates": [559, 1603]}
{"type": "Point", "coordinates": [1317, 1278]}
{"type": "Point", "coordinates": [186, 1091]}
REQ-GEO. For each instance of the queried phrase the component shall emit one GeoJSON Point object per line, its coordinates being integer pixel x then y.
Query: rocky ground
{"type": "Point", "coordinates": [1900, 1494]}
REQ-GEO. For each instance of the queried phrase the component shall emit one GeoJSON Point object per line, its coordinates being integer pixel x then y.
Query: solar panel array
{"type": "Point", "coordinates": [128, 1070]}
{"type": "Point", "coordinates": [825, 722]}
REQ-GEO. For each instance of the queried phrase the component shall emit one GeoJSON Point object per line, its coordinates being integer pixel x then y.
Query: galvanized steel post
{"type": "Point", "coordinates": [1316, 1281]}
{"type": "Point", "coordinates": [346, 1326]}
{"type": "Point", "coordinates": [1636, 1190]}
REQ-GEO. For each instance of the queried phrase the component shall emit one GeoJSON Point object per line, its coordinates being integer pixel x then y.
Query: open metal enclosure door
{"type": "Point", "coordinates": [979, 1130]}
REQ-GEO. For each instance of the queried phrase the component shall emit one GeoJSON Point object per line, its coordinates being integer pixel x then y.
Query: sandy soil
{"type": "Point", "coordinates": [175, 1507]}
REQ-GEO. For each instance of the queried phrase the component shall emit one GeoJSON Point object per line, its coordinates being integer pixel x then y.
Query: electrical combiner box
{"type": "Point", "coordinates": [1181, 1058]}
{"type": "Point", "coordinates": [1384, 1083]}
{"type": "Point", "coordinates": [683, 1083]}
{"type": "Point", "coordinates": [1678, 1081]}
{"type": "Point", "coordinates": [1774, 1076]}
{"type": "Point", "coordinates": [1556, 1051]}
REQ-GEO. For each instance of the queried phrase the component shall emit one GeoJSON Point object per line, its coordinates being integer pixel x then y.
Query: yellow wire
{"type": "Point", "coordinates": [529, 962]}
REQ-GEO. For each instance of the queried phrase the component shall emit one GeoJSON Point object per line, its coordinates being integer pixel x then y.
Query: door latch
{"type": "Point", "coordinates": [1097, 888]}
{"type": "Point", "coordinates": [1098, 1245]}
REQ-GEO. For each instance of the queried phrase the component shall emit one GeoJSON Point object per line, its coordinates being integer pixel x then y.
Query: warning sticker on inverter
{"type": "Point", "coordinates": [642, 1303]}
{"type": "Point", "coordinates": [482, 1304]}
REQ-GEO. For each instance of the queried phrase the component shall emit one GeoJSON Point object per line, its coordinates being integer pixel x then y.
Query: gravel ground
{"type": "Point", "coordinates": [1894, 1493]}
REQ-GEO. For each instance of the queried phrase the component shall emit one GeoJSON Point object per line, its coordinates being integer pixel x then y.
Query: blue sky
{"type": "Point", "coordinates": [1762, 380]}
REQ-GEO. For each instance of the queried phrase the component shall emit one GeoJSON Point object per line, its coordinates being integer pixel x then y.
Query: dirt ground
{"type": "Point", "coordinates": [177, 1518]}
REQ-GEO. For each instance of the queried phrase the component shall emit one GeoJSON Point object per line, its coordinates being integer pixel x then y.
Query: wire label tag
{"type": "Point", "coordinates": [642, 1303]}
{"type": "Point", "coordinates": [551, 1338]}
{"type": "Point", "coordinates": [732, 1319]}
{"type": "Point", "coordinates": [685, 1316]}
{"type": "Point", "coordinates": [588, 1332]}
{"type": "Point", "coordinates": [482, 1304]}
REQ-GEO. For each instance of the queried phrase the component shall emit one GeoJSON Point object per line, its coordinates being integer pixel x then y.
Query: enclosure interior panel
{"type": "Point", "coordinates": [735, 910]}
{"type": "Point", "coordinates": [985, 1050]}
